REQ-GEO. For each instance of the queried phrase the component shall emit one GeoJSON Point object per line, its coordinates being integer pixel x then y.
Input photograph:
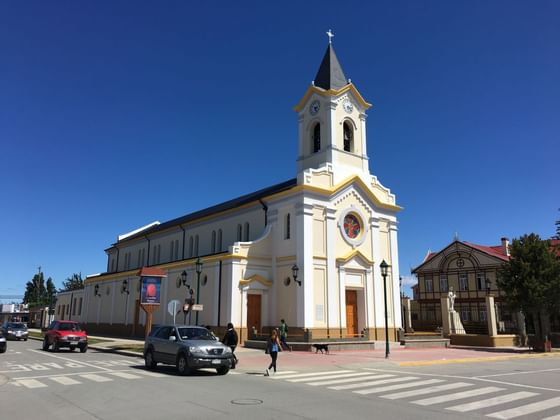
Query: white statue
{"type": "Point", "coordinates": [451, 296]}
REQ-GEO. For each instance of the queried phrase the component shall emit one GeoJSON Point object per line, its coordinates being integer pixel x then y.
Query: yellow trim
{"type": "Point", "coordinates": [353, 179]}
{"type": "Point", "coordinates": [255, 278]}
{"type": "Point", "coordinates": [285, 259]}
{"type": "Point", "coordinates": [331, 92]}
{"type": "Point", "coordinates": [352, 254]}
{"type": "Point", "coordinates": [479, 359]}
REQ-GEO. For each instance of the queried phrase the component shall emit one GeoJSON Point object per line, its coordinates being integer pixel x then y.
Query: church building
{"type": "Point", "coordinates": [307, 250]}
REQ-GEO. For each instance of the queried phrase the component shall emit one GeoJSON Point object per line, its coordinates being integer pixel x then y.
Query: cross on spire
{"type": "Point", "coordinates": [330, 35]}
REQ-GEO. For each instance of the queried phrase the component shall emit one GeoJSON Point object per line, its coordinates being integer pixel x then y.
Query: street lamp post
{"type": "Point", "coordinates": [198, 271]}
{"type": "Point", "coordinates": [384, 269]}
{"type": "Point", "coordinates": [188, 301]}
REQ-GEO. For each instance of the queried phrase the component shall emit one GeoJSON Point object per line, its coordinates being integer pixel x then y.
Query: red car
{"type": "Point", "coordinates": [65, 334]}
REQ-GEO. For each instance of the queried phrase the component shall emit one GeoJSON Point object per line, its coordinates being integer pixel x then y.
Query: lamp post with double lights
{"type": "Point", "coordinates": [189, 299]}
{"type": "Point", "coordinates": [198, 265]}
{"type": "Point", "coordinates": [384, 270]}
{"type": "Point", "coordinates": [295, 270]}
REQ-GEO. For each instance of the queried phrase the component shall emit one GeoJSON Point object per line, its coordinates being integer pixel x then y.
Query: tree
{"type": "Point", "coordinates": [531, 282]}
{"type": "Point", "coordinates": [73, 283]}
{"type": "Point", "coordinates": [39, 294]}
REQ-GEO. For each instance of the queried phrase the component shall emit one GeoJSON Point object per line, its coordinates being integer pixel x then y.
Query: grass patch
{"type": "Point", "coordinates": [40, 336]}
{"type": "Point", "coordinates": [138, 348]}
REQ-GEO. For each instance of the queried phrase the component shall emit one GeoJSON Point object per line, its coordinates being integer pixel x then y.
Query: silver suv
{"type": "Point", "coordinates": [188, 348]}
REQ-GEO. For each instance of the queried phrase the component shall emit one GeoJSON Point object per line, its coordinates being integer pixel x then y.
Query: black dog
{"type": "Point", "coordinates": [324, 348]}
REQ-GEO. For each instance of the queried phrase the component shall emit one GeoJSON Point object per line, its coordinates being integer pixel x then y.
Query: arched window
{"type": "Point", "coordinates": [196, 246]}
{"type": "Point", "coordinates": [239, 232]}
{"type": "Point", "coordinates": [191, 247]}
{"type": "Point", "coordinates": [213, 243]}
{"type": "Point", "coordinates": [348, 138]}
{"type": "Point", "coordinates": [246, 232]}
{"type": "Point", "coordinates": [287, 227]}
{"type": "Point", "coordinates": [316, 138]}
{"type": "Point", "coordinates": [219, 245]}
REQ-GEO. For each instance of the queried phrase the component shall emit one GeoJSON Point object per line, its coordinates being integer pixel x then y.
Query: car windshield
{"type": "Point", "coordinates": [69, 327]}
{"type": "Point", "coordinates": [17, 325]}
{"type": "Point", "coordinates": [187, 333]}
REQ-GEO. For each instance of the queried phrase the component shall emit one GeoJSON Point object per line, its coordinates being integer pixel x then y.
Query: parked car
{"type": "Point", "coordinates": [3, 344]}
{"type": "Point", "coordinates": [188, 348]}
{"type": "Point", "coordinates": [15, 330]}
{"type": "Point", "coordinates": [65, 334]}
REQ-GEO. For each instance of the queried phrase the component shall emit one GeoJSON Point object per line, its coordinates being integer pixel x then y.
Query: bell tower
{"type": "Point", "coordinates": [331, 118]}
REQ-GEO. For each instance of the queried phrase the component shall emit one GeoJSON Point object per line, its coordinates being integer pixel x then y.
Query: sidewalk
{"type": "Point", "coordinates": [255, 359]}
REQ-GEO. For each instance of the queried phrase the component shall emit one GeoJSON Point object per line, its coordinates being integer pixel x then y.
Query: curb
{"type": "Point", "coordinates": [104, 349]}
{"type": "Point", "coordinates": [479, 359]}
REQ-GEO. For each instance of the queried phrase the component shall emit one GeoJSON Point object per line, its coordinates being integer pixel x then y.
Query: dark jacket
{"type": "Point", "coordinates": [230, 338]}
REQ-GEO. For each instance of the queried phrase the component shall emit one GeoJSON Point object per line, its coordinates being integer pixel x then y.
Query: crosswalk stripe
{"type": "Point", "coordinates": [345, 381]}
{"type": "Point", "coordinates": [65, 380]}
{"type": "Point", "coordinates": [457, 396]}
{"type": "Point", "coordinates": [557, 417]}
{"type": "Point", "coordinates": [343, 375]}
{"type": "Point", "coordinates": [373, 383]}
{"type": "Point", "coordinates": [393, 387]}
{"type": "Point", "coordinates": [95, 378]}
{"type": "Point", "coordinates": [492, 401]}
{"type": "Point", "coordinates": [424, 391]}
{"type": "Point", "coordinates": [302, 375]}
{"type": "Point", "coordinates": [152, 374]}
{"type": "Point", "coordinates": [527, 409]}
{"type": "Point", "coordinates": [285, 372]}
{"type": "Point", "coordinates": [124, 375]}
{"type": "Point", "coordinates": [31, 383]}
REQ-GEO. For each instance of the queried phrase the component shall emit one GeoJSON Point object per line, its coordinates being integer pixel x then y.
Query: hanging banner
{"type": "Point", "coordinates": [150, 293]}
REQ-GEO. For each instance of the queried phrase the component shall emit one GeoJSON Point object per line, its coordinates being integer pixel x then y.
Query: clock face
{"type": "Point", "coordinates": [314, 107]}
{"type": "Point", "coordinates": [352, 226]}
{"type": "Point", "coordinates": [347, 105]}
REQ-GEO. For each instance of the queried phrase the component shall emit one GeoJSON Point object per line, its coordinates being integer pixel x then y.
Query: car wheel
{"type": "Point", "coordinates": [223, 370]}
{"type": "Point", "coordinates": [25, 339]}
{"type": "Point", "coordinates": [3, 349]}
{"type": "Point", "coordinates": [149, 360]}
{"type": "Point", "coordinates": [83, 348]}
{"type": "Point", "coordinates": [46, 344]}
{"type": "Point", "coordinates": [56, 346]}
{"type": "Point", "coordinates": [183, 365]}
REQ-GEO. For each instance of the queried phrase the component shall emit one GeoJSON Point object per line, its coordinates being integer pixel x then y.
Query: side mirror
{"type": "Point", "coordinates": [216, 338]}
{"type": "Point", "coordinates": [172, 338]}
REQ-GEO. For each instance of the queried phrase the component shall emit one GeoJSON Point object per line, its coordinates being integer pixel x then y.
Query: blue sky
{"type": "Point", "coordinates": [114, 114]}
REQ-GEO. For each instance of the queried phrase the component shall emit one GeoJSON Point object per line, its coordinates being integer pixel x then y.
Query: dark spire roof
{"type": "Point", "coordinates": [330, 74]}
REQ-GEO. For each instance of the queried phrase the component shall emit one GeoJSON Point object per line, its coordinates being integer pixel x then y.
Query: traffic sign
{"type": "Point", "coordinates": [172, 308]}
{"type": "Point", "coordinates": [198, 307]}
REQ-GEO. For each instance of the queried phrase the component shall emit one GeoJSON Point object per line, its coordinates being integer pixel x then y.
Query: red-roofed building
{"type": "Point", "coordinates": [471, 270]}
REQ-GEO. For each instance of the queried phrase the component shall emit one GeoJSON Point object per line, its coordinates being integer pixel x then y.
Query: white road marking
{"type": "Point", "coordinates": [153, 374]}
{"type": "Point", "coordinates": [285, 372]}
{"type": "Point", "coordinates": [302, 375]}
{"type": "Point", "coordinates": [518, 373]}
{"type": "Point", "coordinates": [457, 396]}
{"type": "Point", "coordinates": [557, 417]}
{"type": "Point", "coordinates": [492, 401]}
{"type": "Point", "coordinates": [527, 409]}
{"type": "Point", "coordinates": [393, 387]}
{"type": "Point", "coordinates": [32, 383]}
{"type": "Point", "coordinates": [124, 375]}
{"type": "Point", "coordinates": [44, 353]}
{"type": "Point", "coordinates": [373, 383]}
{"type": "Point", "coordinates": [424, 391]}
{"type": "Point", "coordinates": [343, 375]}
{"type": "Point", "coordinates": [345, 381]}
{"type": "Point", "coordinates": [65, 380]}
{"type": "Point", "coordinates": [96, 378]}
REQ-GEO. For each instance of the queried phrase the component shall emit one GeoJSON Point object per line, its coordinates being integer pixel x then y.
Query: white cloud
{"type": "Point", "coordinates": [408, 281]}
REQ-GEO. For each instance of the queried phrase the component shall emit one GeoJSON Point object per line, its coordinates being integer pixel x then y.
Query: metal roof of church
{"type": "Point", "coordinates": [330, 74]}
{"type": "Point", "coordinates": [227, 205]}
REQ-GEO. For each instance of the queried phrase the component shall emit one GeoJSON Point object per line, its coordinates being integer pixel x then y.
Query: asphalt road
{"type": "Point", "coordinates": [95, 385]}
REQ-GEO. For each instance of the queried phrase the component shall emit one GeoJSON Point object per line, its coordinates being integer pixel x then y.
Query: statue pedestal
{"type": "Point", "coordinates": [456, 326]}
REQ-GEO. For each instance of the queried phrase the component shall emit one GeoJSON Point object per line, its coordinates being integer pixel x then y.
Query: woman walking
{"type": "Point", "coordinates": [272, 347]}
